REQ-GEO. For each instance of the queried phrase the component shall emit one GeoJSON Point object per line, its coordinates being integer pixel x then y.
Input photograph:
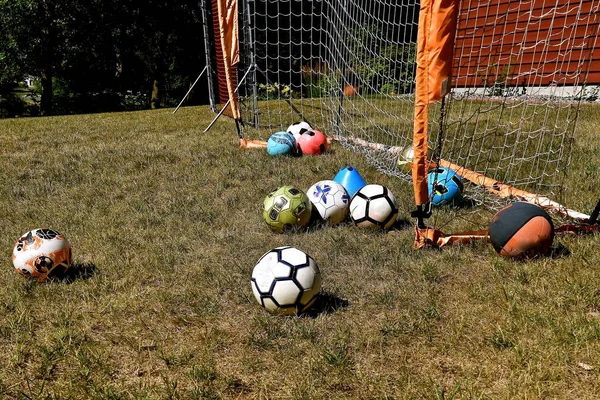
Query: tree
{"type": "Point", "coordinates": [35, 32]}
{"type": "Point", "coordinates": [167, 42]}
{"type": "Point", "coordinates": [11, 65]}
{"type": "Point", "coordinates": [89, 67]}
{"type": "Point", "coordinates": [88, 54]}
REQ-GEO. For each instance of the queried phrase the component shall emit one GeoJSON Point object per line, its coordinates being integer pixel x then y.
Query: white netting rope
{"type": "Point", "coordinates": [347, 66]}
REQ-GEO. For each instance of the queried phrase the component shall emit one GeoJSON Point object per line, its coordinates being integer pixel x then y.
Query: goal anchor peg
{"type": "Point", "coordinates": [422, 212]}
{"type": "Point", "coordinates": [594, 216]}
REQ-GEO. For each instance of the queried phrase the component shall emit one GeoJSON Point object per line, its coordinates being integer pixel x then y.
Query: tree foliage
{"type": "Point", "coordinates": [100, 55]}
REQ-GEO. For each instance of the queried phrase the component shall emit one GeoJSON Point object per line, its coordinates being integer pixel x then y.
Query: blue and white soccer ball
{"type": "Point", "coordinates": [331, 200]}
{"type": "Point", "coordinates": [286, 281]}
{"type": "Point", "coordinates": [281, 143]}
{"type": "Point", "coordinates": [445, 186]}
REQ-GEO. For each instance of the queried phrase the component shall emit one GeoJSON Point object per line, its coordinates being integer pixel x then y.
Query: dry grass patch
{"type": "Point", "coordinates": [165, 223]}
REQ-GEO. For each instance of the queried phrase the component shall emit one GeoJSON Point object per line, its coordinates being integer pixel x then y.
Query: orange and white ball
{"type": "Point", "coordinates": [41, 253]}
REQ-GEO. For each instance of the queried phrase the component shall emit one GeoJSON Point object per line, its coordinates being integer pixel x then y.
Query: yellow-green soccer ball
{"type": "Point", "coordinates": [407, 156]}
{"type": "Point", "coordinates": [287, 207]}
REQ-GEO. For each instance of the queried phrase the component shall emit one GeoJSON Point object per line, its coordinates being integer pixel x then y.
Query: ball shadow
{"type": "Point", "coordinates": [315, 218]}
{"type": "Point", "coordinates": [554, 252]}
{"type": "Point", "coordinates": [558, 251]}
{"type": "Point", "coordinates": [317, 223]}
{"type": "Point", "coordinates": [77, 271]}
{"type": "Point", "coordinates": [466, 203]}
{"type": "Point", "coordinates": [326, 303]}
{"type": "Point", "coordinates": [401, 224]}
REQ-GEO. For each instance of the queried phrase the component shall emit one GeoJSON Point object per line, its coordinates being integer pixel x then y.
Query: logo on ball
{"type": "Point", "coordinates": [331, 200]}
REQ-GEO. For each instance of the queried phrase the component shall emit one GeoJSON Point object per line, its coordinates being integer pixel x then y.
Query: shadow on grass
{"type": "Point", "coordinates": [559, 251]}
{"type": "Point", "coordinates": [326, 303]}
{"type": "Point", "coordinates": [402, 224]}
{"type": "Point", "coordinates": [77, 272]}
{"type": "Point", "coordinates": [467, 203]}
{"type": "Point", "coordinates": [317, 223]}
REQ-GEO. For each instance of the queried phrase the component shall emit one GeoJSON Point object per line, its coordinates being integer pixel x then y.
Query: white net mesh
{"type": "Point", "coordinates": [348, 68]}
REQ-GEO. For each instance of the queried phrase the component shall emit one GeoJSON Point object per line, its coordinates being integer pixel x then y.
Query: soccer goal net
{"type": "Point", "coordinates": [520, 70]}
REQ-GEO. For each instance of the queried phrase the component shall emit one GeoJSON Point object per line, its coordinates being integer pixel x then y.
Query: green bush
{"type": "Point", "coordinates": [374, 60]}
{"type": "Point", "coordinates": [275, 90]}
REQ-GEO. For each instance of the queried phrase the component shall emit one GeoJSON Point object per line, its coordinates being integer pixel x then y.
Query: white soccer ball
{"type": "Point", "coordinates": [331, 201]}
{"type": "Point", "coordinates": [286, 281]}
{"type": "Point", "coordinates": [41, 253]}
{"type": "Point", "coordinates": [298, 128]}
{"type": "Point", "coordinates": [374, 206]}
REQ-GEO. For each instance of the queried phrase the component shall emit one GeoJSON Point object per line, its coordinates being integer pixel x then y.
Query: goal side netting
{"type": "Point", "coordinates": [520, 70]}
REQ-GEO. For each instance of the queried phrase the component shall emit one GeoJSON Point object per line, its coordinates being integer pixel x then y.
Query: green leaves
{"type": "Point", "coordinates": [90, 54]}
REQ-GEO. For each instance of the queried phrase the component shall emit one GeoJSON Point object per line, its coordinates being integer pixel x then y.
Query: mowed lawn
{"type": "Point", "coordinates": [165, 223]}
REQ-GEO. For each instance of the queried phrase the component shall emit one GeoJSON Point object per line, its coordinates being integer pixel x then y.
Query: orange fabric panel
{"type": "Point", "coordinates": [228, 28]}
{"type": "Point", "coordinates": [420, 163]}
{"type": "Point", "coordinates": [223, 93]}
{"type": "Point", "coordinates": [440, 45]}
{"type": "Point", "coordinates": [433, 238]}
{"type": "Point", "coordinates": [435, 47]}
{"type": "Point", "coordinates": [228, 21]}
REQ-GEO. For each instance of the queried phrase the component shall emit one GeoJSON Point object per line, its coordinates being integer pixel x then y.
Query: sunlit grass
{"type": "Point", "coordinates": [165, 223]}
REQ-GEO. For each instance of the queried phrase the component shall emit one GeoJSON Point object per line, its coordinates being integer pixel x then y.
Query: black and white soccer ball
{"type": "Point", "coordinates": [298, 128]}
{"type": "Point", "coordinates": [374, 206]}
{"type": "Point", "coordinates": [286, 281]}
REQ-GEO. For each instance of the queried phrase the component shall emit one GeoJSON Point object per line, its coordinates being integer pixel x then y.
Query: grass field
{"type": "Point", "coordinates": [165, 224]}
